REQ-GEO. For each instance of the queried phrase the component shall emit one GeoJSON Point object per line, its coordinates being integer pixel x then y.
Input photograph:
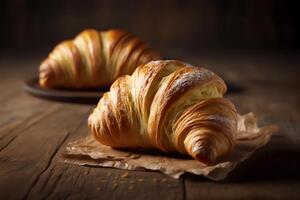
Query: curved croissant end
{"type": "Point", "coordinates": [94, 59]}
{"type": "Point", "coordinates": [170, 106]}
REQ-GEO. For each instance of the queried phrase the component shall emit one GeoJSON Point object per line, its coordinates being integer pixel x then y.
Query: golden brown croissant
{"type": "Point", "coordinates": [94, 59]}
{"type": "Point", "coordinates": [170, 106]}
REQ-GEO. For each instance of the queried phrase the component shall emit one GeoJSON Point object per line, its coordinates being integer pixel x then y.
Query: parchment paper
{"type": "Point", "coordinates": [87, 151]}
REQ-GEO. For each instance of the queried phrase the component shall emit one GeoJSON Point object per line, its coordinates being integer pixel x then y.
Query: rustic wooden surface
{"type": "Point", "coordinates": [34, 132]}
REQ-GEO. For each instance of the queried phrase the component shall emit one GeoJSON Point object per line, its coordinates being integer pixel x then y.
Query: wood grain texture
{"type": "Point", "coordinates": [33, 134]}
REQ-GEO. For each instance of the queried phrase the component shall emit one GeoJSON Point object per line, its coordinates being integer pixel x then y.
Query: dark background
{"type": "Point", "coordinates": [253, 45]}
{"type": "Point", "coordinates": [31, 26]}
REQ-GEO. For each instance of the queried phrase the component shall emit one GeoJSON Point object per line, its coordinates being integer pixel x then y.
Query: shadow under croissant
{"type": "Point", "coordinates": [136, 153]}
{"type": "Point", "coordinates": [277, 161]}
{"type": "Point", "coordinates": [234, 88]}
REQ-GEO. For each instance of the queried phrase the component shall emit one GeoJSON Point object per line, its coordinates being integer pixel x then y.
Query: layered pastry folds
{"type": "Point", "coordinates": [170, 106]}
{"type": "Point", "coordinates": [94, 59]}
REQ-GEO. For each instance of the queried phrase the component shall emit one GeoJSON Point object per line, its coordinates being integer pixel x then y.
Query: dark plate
{"type": "Point", "coordinates": [89, 96]}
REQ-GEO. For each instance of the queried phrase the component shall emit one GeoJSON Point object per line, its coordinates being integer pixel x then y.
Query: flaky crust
{"type": "Point", "coordinates": [170, 106]}
{"type": "Point", "coordinates": [94, 59]}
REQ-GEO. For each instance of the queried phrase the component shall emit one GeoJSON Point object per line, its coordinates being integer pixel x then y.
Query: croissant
{"type": "Point", "coordinates": [94, 59]}
{"type": "Point", "coordinates": [170, 106]}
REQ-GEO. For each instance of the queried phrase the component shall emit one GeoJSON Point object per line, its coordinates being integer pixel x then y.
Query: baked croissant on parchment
{"type": "Point", "coordinates": [94, 59]}
{"type": "Point", "coordinates": [170, 106]}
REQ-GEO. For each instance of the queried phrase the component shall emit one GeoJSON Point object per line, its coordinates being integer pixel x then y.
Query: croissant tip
{"type": "Point", "coordinates": [203, 155]}
{"type": "Point", "coordinates": [44, 81]}
{"type": "Point", "coordinates": [89, 121]}
{"type": "Point", "coordinates": [45, 74]}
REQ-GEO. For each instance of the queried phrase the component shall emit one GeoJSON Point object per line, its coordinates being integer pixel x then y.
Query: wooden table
{"type": "Point", "coordinates": [34, 132]}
